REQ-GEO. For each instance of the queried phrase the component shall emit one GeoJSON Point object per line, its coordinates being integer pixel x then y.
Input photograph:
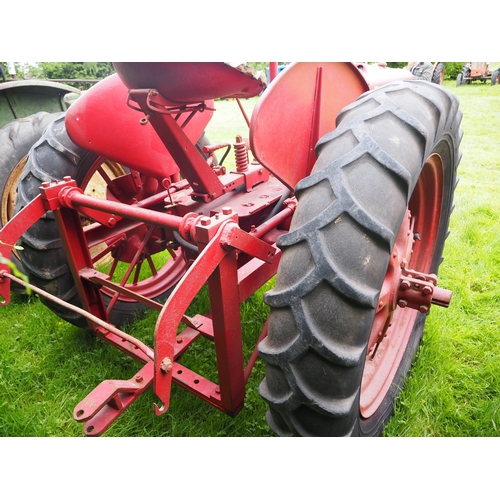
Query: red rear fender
{"type": "Point", "coordinates": [298, 108]}
{"type": "Point", "coordinates": [101, 122]}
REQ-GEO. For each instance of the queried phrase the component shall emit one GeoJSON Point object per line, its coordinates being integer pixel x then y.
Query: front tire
{"type": "Point", "coordinates": [381, 192]}
{"type": "Point", "coordinates": [495, 77]}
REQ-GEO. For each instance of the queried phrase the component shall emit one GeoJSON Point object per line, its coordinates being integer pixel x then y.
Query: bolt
{"type": "Point", "coordinates": [45, 184]}
{"type": "Point", "coordinates": [423, 309]}
{"type": "Point", "coordinates": [402, 303]}
{"type": "Point", "coordinates": [205, 221]}
{"type": "Point", "coordinates": [226, 210]}
{"type": "Point", "coordinates": [112, 221]}
{"type": "Point", "coordinates": [66, 178]}
{"type": "Point", "coordinates": [139, 378]}
{"type": "Point", "coordinates": [166, 365]}
{"type": "Point", "coordinates": [427, 290]}
{"type": "Point", "coordinates": [405, 285]}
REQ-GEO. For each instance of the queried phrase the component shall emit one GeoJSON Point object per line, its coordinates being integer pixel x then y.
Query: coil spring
{"type": "Point", "coordinates": [241, 154]}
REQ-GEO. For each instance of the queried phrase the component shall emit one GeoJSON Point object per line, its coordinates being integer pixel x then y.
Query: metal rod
{"type": "Point", "coordinates": [125, 336]}
{"type": "Point", "coordinates": [255, 353]}
{"type": "Point", "coordinates": [74, 197]}
{"type": "Point", "coordinates": [243, 111]}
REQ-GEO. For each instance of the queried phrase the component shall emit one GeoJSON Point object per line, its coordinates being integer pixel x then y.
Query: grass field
{"type": "Point", "coordinates": [48, 366]}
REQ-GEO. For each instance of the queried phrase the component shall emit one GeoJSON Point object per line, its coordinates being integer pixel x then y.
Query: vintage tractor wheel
{"type": "Point", "coordinates": [43, 257]}
{"type": "Point", "coordinates": [438, 74]}
{"type": "Point", "coordinates": [460, 78]}
{"type": "Point", "coordinates": [495, 77]}
{"type": "Point", "coordinates": [378, 200]}
{"type": "Point", "coordinates": [16, 139]}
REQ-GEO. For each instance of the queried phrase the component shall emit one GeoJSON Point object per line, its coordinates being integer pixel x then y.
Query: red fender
{"type": "Point", "coordinates": [298, 108]}
{"type": "Point", "coordinates": [100, 121]}
{"type": "Point", "coordinates": [301, 105]}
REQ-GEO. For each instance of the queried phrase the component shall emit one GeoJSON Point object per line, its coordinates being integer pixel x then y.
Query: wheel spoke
{"type": "Point", "coordinates": [151, 265]}
{"type": "Point", "coordinates": [136, 262]}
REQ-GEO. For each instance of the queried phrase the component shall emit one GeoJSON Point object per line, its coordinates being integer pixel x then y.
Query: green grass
{"type": "Point", "coordinates": [454, 386]}
{"type": "Point", "coordinates": [48, 366]}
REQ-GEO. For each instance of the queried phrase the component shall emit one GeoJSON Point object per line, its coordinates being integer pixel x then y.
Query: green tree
{"type": "Point", "coordinates": [76, 70]}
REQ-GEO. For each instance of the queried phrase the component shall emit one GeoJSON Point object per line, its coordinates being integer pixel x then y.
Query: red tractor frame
{"type": "Point", "coordinates": [347, 200]}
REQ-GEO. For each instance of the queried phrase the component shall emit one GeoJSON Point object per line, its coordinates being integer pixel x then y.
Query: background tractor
{"type": "Point", "coordinates": [478, 71]}
{"type": "Point", "coordinates": [27, 107]}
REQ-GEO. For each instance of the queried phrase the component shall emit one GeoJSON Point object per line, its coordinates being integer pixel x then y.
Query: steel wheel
{"type": "Point", "coordinates": [127, 256]}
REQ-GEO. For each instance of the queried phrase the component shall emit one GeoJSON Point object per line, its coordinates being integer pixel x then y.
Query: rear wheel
{"type": "Point", "coordinates": [495, 77]}
{"type": "Point", "coordinates": [16, 139]}
{"type": "Point", "coordinates": [378, 200]}
{"type": "Point", "coordinates": [438, 74]}
{"type": "Point", "coordinates": [126, 257]}
{"type": "Point", "coordinates": [460, 78]}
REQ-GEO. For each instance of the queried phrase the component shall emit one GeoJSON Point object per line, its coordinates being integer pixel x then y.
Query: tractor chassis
{"type": "Point", "coordinates": [215, 232]}
{"type": "Point", "coordinates": [220, 241]}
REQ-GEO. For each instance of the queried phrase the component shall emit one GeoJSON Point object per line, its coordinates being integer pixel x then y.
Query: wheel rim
{"type": "Point", "coordinates": [414, 248]}
{"type": "Point", "coordinates": [9, 194]}
{"type": "Point", "coordinates": [131, 259]}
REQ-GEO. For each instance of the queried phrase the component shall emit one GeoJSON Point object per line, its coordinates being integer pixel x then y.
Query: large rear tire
{"type": "Point", "coordinates": [16, 139]}
{"type": "Point", "coordinates": [438, 74]}
{"type": "Point", "coordinates": [381, 192]}
{"type": "Point", "coordinates": [43, 257]}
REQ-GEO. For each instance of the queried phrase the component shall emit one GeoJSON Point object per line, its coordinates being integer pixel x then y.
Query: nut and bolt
{"type": "Point", "coordinates": [166, 365]}
{"type": "Point", "coordinates": [226, 210]}
{"type": "Point", "coordinates": [402, 303]}
{"type": "Point", "coordinates": [427, 290]}
{"type": "Point", "coordinates": [139, 378]}
{"type": "Point", "coordinates": [405, 285]}
{"type": "Point", "coordinates": [205, 221]}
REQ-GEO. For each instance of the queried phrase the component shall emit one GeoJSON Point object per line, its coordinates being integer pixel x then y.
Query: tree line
{"type": "Point", "coordinates": [100, 70]}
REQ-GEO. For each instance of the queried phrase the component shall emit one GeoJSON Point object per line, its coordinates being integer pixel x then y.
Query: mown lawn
{"type": "Point", "coordinates": [48, 366]}
{"type": "Point", "coordinates": [454, 388]}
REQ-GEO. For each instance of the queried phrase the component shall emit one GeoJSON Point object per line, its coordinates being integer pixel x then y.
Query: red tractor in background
{"type": "Point", "coordinates": [346, 199]}
{"type": "Point", "coordinates": [478, 72]}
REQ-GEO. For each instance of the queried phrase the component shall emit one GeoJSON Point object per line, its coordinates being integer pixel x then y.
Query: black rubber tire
{"type": "Point", "coordinates": [336, 256]}
{"type": "Point", "coordinates": [43, 258]}
{"type": "Point", "coordinates": [460, 78]}
{"type": "Point", "coordinates": [495, 77]}
{"type": "Point", "coordinates": [16, 139]}
{"type": "Point", "coordinates": [438, 74]}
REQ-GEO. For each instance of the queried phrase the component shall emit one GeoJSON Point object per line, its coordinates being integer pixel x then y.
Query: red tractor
{"type": "Point", "coordinates": [346, 199]}
{"type": "Point", "coordinates": [478, 71]}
